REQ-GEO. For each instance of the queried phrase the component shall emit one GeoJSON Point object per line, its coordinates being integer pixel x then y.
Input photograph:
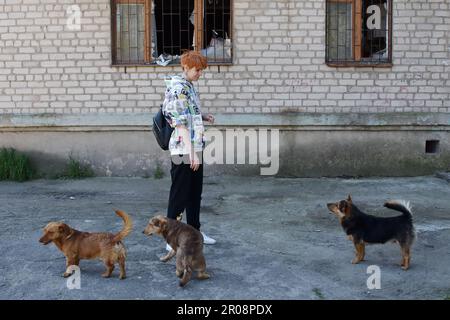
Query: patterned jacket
{"type": "Point", "coordinates": [182, 107]}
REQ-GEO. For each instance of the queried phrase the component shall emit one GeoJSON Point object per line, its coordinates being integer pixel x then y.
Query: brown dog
{"type": "Point", "coordinates": [78, 245]}
{"type": "Point", "coordinates": [186, 243]}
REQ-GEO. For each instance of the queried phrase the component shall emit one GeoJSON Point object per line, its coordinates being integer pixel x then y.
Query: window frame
{"type": "Point", "coordinates": [148, 60]}
{"type": "Point", "coordinates": [147, 35]}
{"type": "Point", "coordinates": [357, 37]}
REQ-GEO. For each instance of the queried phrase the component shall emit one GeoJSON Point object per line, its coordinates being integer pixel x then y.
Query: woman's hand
{"type": "Point", "coordinates": [195, 161]}
{"type": "Point", "coordinates": [209, 118]}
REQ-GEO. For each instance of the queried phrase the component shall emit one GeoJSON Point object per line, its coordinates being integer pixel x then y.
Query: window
{"type": "Point", "coordinates": [359, 32]}
{"type": "Point", "coordinates": [157, 32]}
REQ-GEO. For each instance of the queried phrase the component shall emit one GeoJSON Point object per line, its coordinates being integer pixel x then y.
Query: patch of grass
{"type": "Point", "coordinates": [447, 295]}
{"type": "Point", "coordinates": [159, 172]}
{"type": "Point", "coordinates": [15, 166]}
{"type": "Point", "coordinates": [76, 170]}
{"type": "Point", "coordinates": [318, 293]}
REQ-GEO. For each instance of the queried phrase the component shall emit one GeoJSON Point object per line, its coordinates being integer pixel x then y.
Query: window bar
{"type": "Point", "coordinates": [205, 23]}
{"type": "Point", "coordinates": [137, 32]}
{"type": "Point", "coordinates": [116, 37]}
{"type": "Point", "coordinates": [389, 31]}
{"type": "Point", "coordinates": [345, 33]}
{"type": "Point", "coordinates": [122, 25]}
{"type": "Point", "coordinates": [205, 27]}
{"type": "Point", "coordinates": [230, 29]}
{"type": "Point", "coordinates": [172, 18]}
{"type": "Point", "coordinates": [113, 32]}
{"type": "Point", "coordinates": [327, 46]}
{"type": "Point", "coordinates": [337, 31]}
{"type": "Point", "coordinates": [180, 29]}
{"type": "Point", "coordinates": [191, 31]}
{"type": "Point", "coordinates": [215, 30]}
{"type": "Point", "coordinates": [119, 35]}
{"type": "Point", "coordinates": [224, 36]}
{"type": "Point", "coordinates": [374, 41]}
{"type": "Point", "coordinates": [171, 25]}
{"type": "Point", "coordinates": [129, 32]}
{"type": "Point", "coordinates": [385, 27]}
{"type": "Point", "coordinates": [163, 17]}
{"type": "Point", "coordinates": [147, 30]}
{"type": "Point", "coordinates": [358, 29]}
{"type": "Point", "coordinates": [166, 16]}
{"type": "Point", "coordinates": [191, 10]}
{"type": "Point", "coordinates": [381, 29]}
{"type": "Point", "coordinates": [199, 24]}
{"type": "Point", "coordinates": [163, 20]}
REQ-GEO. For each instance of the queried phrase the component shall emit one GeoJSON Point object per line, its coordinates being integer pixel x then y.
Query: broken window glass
{"type": "Point", "coordinates": [358, 32]}
{"type": "Point", "coordinates": [375, 30]}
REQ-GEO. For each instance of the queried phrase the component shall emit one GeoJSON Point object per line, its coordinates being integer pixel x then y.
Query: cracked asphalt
{"type": "Point", "coordinates": [275, 239]}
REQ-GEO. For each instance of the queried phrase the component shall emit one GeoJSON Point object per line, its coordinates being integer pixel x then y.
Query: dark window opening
{"type": "Point", "coordinates": [217, 36]}
{"type": "Point", "coordinates": [432, 146]}
{"type": "Point", "coordinates": [174, 28]}
{"type": "Point", "coordinates": [160, 31]}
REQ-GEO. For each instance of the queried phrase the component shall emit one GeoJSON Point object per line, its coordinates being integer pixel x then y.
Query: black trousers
{"type": "Point", "coordinates": [186, 193]}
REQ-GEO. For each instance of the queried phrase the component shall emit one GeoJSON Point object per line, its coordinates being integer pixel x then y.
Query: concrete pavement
{"type": "Point", "coordinates": [275, 239]}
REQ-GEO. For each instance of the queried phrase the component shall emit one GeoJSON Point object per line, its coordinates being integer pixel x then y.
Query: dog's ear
{"type": "Point", "coordinates": [163, 225]}
{"type": "Point", "coordinates": [347, 209]}
{"type": "Point", "coordinates": [64, 229]}
{"type": "Point", "coordinates": [158, 221]}
{"type": "Point", "coordinates": [349, 199]}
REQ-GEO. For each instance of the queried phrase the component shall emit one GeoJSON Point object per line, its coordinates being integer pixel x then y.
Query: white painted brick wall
{"type": "Point", "coordinates": [278, 63]}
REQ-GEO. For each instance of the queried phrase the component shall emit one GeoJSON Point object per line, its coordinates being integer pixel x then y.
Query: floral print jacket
{"type": "Point", "coordinates": [182, 107]}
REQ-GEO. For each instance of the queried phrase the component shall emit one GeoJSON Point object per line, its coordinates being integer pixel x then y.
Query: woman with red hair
{"type": "Point", "coordinates": [181, 107]}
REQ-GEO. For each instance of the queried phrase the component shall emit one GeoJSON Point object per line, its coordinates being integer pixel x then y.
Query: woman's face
{"type": "Point", "coordinates": [192, 74]}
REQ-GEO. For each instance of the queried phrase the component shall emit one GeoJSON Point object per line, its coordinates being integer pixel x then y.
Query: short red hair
{"type": "Point", "coordinates": [193, 59]}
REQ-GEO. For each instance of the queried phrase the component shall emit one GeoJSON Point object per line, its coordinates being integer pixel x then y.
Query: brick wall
{"type": "Point", "coordinates": [279, 54]}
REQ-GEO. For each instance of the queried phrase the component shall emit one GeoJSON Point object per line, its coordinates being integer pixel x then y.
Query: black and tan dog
{"type": "Point", "coordinates": [363, 229]}
{"type": "Point", "coordinates": [186, 243]}
{"type": "Point", "coordinates": [78, 245]}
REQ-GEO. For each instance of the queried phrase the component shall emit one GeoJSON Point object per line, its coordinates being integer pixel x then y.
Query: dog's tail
{"type": "Point", "coordinates": [400, 205]}
{"type": "Point", "coordinates": [128, 225]}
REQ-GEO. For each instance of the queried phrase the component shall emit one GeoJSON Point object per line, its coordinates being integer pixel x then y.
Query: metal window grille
{"type": "Point", "coordinates": [216, 44]}
{"type": "Point", "coordinates": [358, 32]}
{"type": "Point", "coordinates": [157, 32]}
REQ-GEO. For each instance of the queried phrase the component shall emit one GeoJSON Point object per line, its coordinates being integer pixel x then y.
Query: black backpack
{"type": "Point", "coordinates": [162, 129]}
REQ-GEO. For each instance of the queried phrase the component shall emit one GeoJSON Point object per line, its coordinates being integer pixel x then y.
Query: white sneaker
{"type": "Point", "coordinates": [168, 247]}
{"type": "Point", "coordinates": [208, 240]}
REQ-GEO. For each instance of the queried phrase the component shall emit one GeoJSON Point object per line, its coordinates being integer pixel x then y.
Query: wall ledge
{"type": "Point", "coordinates": [283, 121]}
